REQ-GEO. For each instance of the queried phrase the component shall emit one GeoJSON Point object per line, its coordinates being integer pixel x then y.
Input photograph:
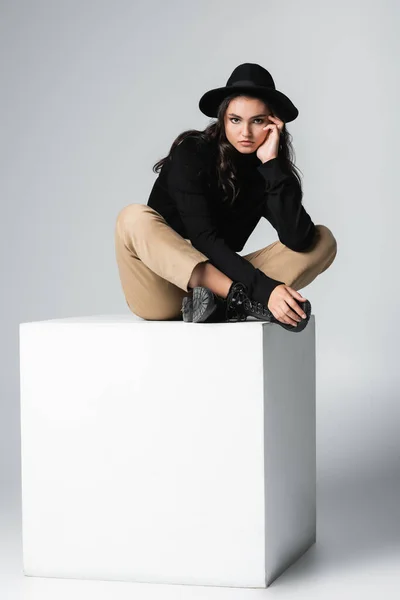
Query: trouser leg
{"type": "Point", "coordinates": [296, 269]}
{"type": "Point", "coordinates": [154, 262]}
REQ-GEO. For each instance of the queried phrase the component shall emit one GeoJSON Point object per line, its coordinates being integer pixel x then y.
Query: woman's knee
{"type": "Point", "coordinates": [130, 214]}
{"type": "Point", "coordinates": [326, 239]}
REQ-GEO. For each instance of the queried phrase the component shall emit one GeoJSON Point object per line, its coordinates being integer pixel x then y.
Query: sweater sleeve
{"type": "Point", "coordinates": [284, 209]}
{"type": "Point", "coordinates": [187, 185]}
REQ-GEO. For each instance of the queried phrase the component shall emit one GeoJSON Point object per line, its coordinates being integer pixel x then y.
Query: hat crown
{"type": "Point", "coordinates": [250, 74]}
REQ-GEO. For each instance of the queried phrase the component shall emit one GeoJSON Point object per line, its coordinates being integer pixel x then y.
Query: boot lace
{"type": "Point", "coordinates": [254, 307]}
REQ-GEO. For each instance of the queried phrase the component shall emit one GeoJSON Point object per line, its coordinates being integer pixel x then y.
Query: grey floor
{"type": "Point", "coordinates": [357, 553]}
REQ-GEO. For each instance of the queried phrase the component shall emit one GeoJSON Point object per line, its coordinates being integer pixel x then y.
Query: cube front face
{"type": "Point", "coordinates": [142, 449]}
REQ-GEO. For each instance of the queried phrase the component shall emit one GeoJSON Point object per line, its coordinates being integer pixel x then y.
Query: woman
{"type": "Point", "coordinates": [177, 255]}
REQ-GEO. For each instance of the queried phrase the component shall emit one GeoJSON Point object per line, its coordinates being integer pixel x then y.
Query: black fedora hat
{"type": "Point", "coordinates": [250, 77]}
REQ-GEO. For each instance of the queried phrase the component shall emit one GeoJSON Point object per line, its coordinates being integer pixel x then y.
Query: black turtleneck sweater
{"type": "Point", "coordinates": [186, 194]}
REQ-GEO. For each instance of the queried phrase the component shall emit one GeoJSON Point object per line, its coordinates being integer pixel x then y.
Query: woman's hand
{"type": "Point", "coordinates": [269, 148]}
{"type": "Point", "coordinates": [281, 302]}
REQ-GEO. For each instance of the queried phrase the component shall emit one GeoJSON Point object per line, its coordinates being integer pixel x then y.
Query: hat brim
{"type": "Point", "coordinates": [210, 101]}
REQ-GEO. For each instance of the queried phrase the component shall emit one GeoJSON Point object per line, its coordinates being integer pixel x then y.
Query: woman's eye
{"type": "Point", "coordinates": [236, 119]}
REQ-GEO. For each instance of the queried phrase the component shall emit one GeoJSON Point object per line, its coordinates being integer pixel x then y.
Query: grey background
{"type": "Point", "coordinates": [92, 94]}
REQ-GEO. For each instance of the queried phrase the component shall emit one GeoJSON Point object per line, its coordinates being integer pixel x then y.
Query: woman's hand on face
{"type": "Point", "coordinates": [282, 301]}
{"type": "Point", "coordinates": [269, 148]}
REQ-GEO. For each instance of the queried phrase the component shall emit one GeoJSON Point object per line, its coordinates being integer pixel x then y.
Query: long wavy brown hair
{"type": "Point", "coordinates": [225, 166]}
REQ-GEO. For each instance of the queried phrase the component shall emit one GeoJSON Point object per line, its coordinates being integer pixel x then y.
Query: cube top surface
{"type": "Point", "coordinates": [131, 318]}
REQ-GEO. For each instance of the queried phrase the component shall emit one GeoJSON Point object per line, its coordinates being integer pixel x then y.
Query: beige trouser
{"type": "Point", "coordinates": [155, 263]}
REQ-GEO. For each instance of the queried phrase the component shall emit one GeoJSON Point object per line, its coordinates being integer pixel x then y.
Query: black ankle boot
{"type": "Point", "coordinates": [240, 306]}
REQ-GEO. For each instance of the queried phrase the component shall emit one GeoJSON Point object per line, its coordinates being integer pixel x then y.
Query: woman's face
{"type": "Point", "coordinates": [244, 120]}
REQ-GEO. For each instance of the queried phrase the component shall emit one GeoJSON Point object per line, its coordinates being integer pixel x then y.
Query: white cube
{"type": "Point", "coordinates": [165, 451]}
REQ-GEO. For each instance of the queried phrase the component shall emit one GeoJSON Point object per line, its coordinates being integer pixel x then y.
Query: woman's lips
{"type": "Point", "coordinates": [245, 142]}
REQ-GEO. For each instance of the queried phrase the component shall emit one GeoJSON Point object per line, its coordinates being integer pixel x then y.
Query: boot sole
{"type": "Point", "coordinates": [187, 309]}
{"type": "Point", "coordinates": [203, 304]}
{"type": "Point", "coordinates": [200, 307]}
